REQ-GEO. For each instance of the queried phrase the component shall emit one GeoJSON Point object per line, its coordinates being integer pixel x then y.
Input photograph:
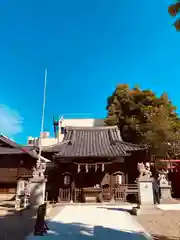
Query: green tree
{"type": "Point", "coordinates": [174, 11]}
{"type": "Point", "coordinates": [145, 118]}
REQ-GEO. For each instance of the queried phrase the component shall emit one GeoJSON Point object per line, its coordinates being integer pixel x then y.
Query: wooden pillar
{"type": "Point", "coordinates": [126, 178]}
{"type": "Point", "coordinates": [18, 170]}
{"type": "Point", "coordinates": [111, 188]}
{"type": "Point", "coordinates": [72, 190]}
{"type": "Point", "coordinates": [125, 171]}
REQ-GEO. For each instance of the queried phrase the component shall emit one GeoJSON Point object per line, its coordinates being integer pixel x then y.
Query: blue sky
{"type": "Point", "coordinates": [88, 47]}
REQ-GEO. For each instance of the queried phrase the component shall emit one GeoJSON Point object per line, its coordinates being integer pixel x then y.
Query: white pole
{"type": "Point", "coordinates": [43, 110]}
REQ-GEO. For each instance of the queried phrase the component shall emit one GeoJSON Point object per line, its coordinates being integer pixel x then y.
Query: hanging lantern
{"type": "Point", "coordinates": [95, 167]}
{"type": "Point", "coordinates": [79, 169]}
{"type": "Point", "coordinates": [102, 167]}
{"type": "Point", "coordinates": [21, 162]}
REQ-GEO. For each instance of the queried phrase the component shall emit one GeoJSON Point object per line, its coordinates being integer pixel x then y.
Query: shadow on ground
{"type": "Point", "coordinates": [78, 231]}
{"type": "Point", "coordinates": [15, 225]}
{"type": "Point", "coordinates": [6, 205]}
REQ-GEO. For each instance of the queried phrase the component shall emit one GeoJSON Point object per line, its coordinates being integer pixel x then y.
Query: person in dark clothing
{"type": "Point", "coordinates": [155, 191]}
{"type": "Point", "coordinates": [158, 182]}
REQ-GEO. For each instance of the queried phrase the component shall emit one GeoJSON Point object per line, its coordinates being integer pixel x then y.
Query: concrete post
{"type": "Point", "coordinates": [165, 192]}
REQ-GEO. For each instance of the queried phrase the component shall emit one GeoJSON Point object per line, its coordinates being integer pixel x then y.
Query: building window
{"type": "Point", "coordinates": [30, 142]}
{"type": "Point", "coordinates": [66, 180]}
{"type": "Point", "coordinates": [118, 179]}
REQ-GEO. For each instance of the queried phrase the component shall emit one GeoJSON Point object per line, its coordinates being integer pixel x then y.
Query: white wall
{"type": "Point", "coordinates": [86, 122]}
{"type": "Point", "coordinates": [44, 141]}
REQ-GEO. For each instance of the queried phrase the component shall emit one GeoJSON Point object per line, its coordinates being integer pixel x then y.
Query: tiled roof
{"type": "Point", "coordinates": [5, 150]}
{"type": "Point", "coordinates": [93, 142]}
{"type": "Point", "coordinates": [6, 142]}
{"type": "Point", "coordinates": [7, 146]}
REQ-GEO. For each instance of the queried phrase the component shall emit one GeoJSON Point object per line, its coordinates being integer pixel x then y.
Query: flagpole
{"type": "Point", "coordinates": [42, 119]}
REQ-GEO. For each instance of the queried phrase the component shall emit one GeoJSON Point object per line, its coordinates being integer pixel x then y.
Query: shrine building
{"type": "Point", "coordinates": [93, 164]}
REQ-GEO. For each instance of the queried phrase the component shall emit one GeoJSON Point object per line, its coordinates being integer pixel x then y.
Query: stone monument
{"type": "Point", "coordinates": [38, 185]}
{"type": "Point", "coordinates": [145, 194]}
{"type": "Point", "coordinates": [165, 186]}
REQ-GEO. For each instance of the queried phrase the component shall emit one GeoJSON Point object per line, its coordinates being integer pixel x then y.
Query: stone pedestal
{"type": "Point", "coordinates": [165, 192]}
{"type": "Point", "coordinates": [146, 199]}
{"type": "Point", "coordinates": [145, 192]}
{"type": "Point", "coordinates": [37, 191]}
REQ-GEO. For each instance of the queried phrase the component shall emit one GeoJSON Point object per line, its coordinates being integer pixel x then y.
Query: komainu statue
{"type": "Point", "coordinates": [163, 177]}
{"type": "Point", "coordinates": [144, 171]}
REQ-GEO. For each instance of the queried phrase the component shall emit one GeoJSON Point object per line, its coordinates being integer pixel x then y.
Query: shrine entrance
{"type": "Point", "coordinates": [84, 195]}
{"type": "Point", "coordinates": [95, 183]}
{"type": "Point", "coordinates": [64, 192]}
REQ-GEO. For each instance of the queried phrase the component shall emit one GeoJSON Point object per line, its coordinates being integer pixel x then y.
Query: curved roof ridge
{"type": "Point", "coordinates": [132, 144]}
{"type": "Point", "coordinates": [91, 128]}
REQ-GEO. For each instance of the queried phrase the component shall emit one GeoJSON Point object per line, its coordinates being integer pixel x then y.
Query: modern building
{"type": "Point", "coordinates": [59, 126]}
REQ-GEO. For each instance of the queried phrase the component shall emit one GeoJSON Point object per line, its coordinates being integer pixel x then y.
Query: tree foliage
{"type": "Point", "coordinates": [145, 118]}
{"type": "Point", "coordinates": [174, 11]}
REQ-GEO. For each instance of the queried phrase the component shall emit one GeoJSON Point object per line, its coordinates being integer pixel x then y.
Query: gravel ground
{"type": "Point", "coordinates": [165, 226]}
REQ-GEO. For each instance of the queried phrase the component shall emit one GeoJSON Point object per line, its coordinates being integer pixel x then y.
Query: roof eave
{"type": "Point", "coordinates": [136, 147]}
{"type": "Point", "coordinates": [58, 155]}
